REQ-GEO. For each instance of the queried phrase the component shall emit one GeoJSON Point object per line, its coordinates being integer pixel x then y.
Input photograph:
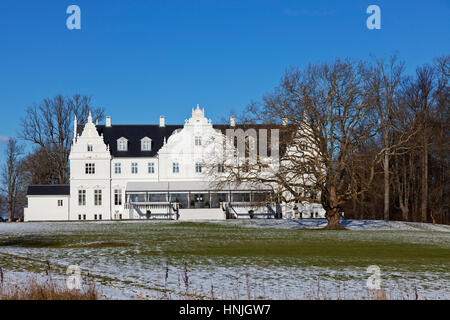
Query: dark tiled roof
{"type": "Point", "coordinates": [48, 190]}
{"type": "Point", "coordinates": [224, 127]}
{"type": "Point", "coordinates": [134, 134]}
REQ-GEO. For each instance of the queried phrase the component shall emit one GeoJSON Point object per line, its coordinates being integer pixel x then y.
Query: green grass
{"type": "Point", "coordinates": [135, 255]}
{"type": "Point", "coordinates": [208, 243]}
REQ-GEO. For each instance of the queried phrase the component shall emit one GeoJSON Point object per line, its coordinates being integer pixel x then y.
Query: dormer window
{"type": "Point", "coordinates": [146, 144]}
{"type": "Point", "coordinates": [90, 147]}
{"type": "Point", "coordinates": [122, 144]}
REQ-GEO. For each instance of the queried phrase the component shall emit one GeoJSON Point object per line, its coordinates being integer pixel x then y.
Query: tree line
{"type": "Point", "coordinates": [359, 137]}
{"type": "Point", "coordinates": [47, 131]}
{"type": "Point", "coordinates": [362, 137]}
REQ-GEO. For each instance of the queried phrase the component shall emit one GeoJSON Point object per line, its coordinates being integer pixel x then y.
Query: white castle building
{"type": "Point", "coordinates": [148, 172]}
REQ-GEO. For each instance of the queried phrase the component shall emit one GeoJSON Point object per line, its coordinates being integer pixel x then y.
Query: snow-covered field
{"type": "Point", "coordinates": [151, 259]}
{"type": "Point", "coordinates": [349, 224]}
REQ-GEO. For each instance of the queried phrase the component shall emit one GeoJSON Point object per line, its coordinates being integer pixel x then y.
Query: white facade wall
{"type": "Point", "coordinates": [142, 165]}
{"type": "Point", "coordinates": [99, 179]}
{"type": "Point", "coordinates": [46, 208]}
{"type": "Point", "coordinates": [180, 147]}
{"type": "Point", "coordinates": [203, 214]}
{"type": "Point", "coordinates": [88, 147]}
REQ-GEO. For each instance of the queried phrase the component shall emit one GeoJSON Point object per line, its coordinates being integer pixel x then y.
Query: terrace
{"type": "Point", "coordinates": [172, 199]}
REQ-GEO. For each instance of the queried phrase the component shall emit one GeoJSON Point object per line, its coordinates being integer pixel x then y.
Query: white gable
{"type": "Point", "coordinates": [89, 137]}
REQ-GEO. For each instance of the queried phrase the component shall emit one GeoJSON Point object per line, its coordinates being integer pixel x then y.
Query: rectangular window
{"type": "Point", "coordinates": [221, 168]}
{"type": "Point", "coordinates": [146, 144]}
{"type": "Point", "coordinates": [175, 167]}
{"type": "Point", "coordinates": [117, 168]}
{"type": "Point", "coordinates": [117, 197]}
{"type": "Point", "coordinates": [120, 216]}
{"type": "Point", "coordinates": [99, 217]}
{"type": "Point", "coordinates": [122, 144]}
{"type": "Point", "coordinates": [79, 217]}
{"type": "Point", "coordinates": [95, 217]}
{"type": "Point", "coordinates": [151, 167]}
{"type": "Point", "coordinates": [81, 197]}
{"type": "Point", "coordinates": [98, 197]}
{"type": "Point", "coordinates": [84, 217]}
{"type": "Point", "coordinates": [90, 147]}
{"type": "Point", "coordinates": [134, 168]}
{"type": "Point", "coordinates": [198, 141]}
{"type": "Point", "coordinates": [198, 168]}
{"type": "Point", "coordinates": [90, 168]}
{"type": "Point", "coordinates": [60, 203]}
{"type": "Point", "coordinates": [240, 197]}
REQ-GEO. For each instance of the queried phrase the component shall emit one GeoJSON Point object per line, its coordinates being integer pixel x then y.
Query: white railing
{"type": "Point", "coordinates": [152, 210]}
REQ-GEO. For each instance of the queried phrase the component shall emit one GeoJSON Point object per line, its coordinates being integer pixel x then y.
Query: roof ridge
{"type": "Point", "coordinates": [137, 125]}
{"type": "Point", "coordinates": [52, 185]}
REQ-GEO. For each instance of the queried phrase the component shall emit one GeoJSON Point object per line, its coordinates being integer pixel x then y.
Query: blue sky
{"type": "Point", "coordinates": [140, 59]}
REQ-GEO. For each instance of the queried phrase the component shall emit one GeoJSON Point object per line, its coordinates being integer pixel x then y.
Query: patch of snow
{"type": "Point", "coordinates": [321, 223]}
{"type": "Point", "coordinates": [129, 273]}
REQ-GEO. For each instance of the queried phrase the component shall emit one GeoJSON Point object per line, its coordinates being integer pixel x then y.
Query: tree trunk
{"type": "Point", "coordinates": [10, 211]}
{"type": "Point", "coordinates": [386, 186]}
{"type": "Point", "coordinates": [333, 220]}
{"type": "Point", "coordinates": [424, 199]}
{"type": "Point", "coordinates": [404, 209]}
{"type": "Point", "coordinates": [332, 214]}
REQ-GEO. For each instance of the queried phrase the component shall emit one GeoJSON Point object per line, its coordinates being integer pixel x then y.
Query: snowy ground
{"type": "Point", "coordinates": [136, 271]}
{"type": "Point", "coordinates": [349, 224]}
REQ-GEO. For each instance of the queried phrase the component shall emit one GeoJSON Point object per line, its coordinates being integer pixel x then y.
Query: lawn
{"type": "Point", "coordinates": [148, 258]}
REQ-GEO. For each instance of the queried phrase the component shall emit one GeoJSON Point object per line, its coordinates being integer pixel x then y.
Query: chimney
{"type": "Point", "coordinates": [108, 122]}
{"type": "Point", "coordinates": [75, 124]}
{"type": "Point", "coordinates": [232, 121]}
{"type": "Point", "coordinates": [162, 121]}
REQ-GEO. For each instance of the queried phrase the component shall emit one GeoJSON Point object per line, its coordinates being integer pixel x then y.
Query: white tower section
{"type": "Point", "coordinates": [90, 162]}
{"type": "Point", "coordinates": [186, 149]}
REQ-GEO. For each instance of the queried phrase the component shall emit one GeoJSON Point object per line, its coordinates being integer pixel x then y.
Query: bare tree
{"type": "Point", "coordinates": [49, 126]}
{"type": "Point", "coordinates": [38, 168]}
{"type": "Point", "coordinates": [384, 82]}
{"type": "Point", "coordinates": [329, 117]}
{"type": "Point", "coordinates": [410, 171]}
{"type": "Point", "coordinates": [420, 96]}
{"type": "Point", "coordinates": [3, 205]}
{"type": "Point", "coordinates": [439, 155]}
{"type": "Point", "coordinates": [12, 177]}
{"type": "Point", "coordinates": [442, 65]}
